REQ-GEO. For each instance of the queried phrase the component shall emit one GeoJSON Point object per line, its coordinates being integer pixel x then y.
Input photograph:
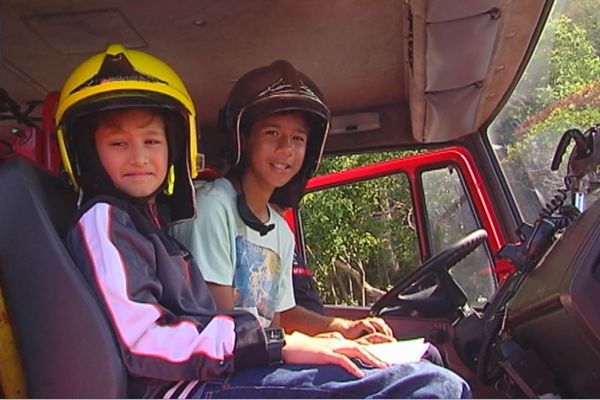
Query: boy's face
{"type": "Point", "coordinates": [133, 149]}
{"type": "Point", "coordinates": [275, 148]}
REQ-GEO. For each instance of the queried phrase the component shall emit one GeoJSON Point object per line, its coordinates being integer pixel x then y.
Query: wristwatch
{"type": "Point", "coordinates": [275, 343]}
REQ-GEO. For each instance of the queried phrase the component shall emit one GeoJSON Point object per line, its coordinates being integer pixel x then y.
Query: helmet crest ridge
{"type": "Point", "coordinates": [116, 67]}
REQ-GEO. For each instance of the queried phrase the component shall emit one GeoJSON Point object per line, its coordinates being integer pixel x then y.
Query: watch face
{"type": "Point", "coordinates": [274, 334]}
{"type": "Point", "coordinates": [275, 343]}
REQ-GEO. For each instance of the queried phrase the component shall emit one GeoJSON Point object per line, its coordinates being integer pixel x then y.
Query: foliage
{"type": "Point", "coordinates": [574, 62]}
{"type": "Point", "coordinates": [364, 225]}
{"type": "Point", "coordinates": [585, 13]}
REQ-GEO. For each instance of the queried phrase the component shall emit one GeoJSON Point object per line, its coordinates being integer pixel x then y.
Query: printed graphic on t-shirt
{"type": "Point", "coordinates": [257, 279]}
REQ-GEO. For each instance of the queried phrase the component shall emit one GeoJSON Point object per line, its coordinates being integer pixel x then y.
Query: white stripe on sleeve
{"type": "Point", "coordinates": [136, 322]}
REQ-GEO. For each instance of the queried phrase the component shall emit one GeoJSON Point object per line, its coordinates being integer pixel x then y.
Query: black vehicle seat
{"type": "Point", "coordinates": [65, 342]}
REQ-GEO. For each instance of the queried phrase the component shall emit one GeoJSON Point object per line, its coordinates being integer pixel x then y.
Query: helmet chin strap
{"type": "Point", "coordinates": [249, 218]}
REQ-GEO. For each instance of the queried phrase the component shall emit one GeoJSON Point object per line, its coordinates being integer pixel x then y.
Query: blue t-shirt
{"type": "Point", "coordinates": [230, 253]}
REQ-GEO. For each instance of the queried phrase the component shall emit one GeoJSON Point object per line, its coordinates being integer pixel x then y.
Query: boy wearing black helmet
{"type": "Point", "coordinates": [277, 122]}
{"type": "Point", "coordinates": [125, 123]}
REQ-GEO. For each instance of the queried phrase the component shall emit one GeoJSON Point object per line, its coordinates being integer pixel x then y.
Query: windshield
{"type": "Point", "coordinates": [559, 90]}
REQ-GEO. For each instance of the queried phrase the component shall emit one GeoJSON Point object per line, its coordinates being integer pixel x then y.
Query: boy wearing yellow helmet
{"type": "Point", "coordinates": [126, 129]}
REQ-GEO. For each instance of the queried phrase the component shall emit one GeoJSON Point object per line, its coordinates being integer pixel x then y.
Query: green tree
{"type": "Point", "coordinates": [580, 12]}
{"type": "Point", "coordinates": [359, 237]}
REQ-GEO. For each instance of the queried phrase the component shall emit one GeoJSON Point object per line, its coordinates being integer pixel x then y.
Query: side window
{"type": "Point", "coordinates": [450, 216]}
{"type": "Point", "coordinates": [360, 238]}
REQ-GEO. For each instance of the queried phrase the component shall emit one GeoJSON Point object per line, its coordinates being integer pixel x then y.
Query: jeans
{"type": "Point", "coordinates": [420, 379]}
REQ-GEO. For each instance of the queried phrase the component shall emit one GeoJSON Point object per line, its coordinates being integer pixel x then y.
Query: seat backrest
{"type": "Point", "coordinates": [65, 341]}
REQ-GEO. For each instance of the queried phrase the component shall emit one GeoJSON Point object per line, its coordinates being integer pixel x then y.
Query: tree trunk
{"type": "Point", "coordinates": [371, 293]}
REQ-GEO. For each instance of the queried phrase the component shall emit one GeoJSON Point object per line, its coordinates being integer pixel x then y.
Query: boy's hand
{"type": "Point", "coordinates": [366, 339]}
{"type": "Point", "coordinates": [303, 349]}
{"type": "Point", "coordinates": [375, 338]}
{"type": "Point", "coordinates": [354, 329]}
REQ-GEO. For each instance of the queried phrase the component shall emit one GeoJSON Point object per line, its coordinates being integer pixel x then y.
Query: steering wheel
{"type": "Point", "coordinates": [438, 265]}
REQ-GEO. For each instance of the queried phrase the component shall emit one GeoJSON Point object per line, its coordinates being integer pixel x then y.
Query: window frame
{"type": "Point", "coordinates": [413, 167]}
